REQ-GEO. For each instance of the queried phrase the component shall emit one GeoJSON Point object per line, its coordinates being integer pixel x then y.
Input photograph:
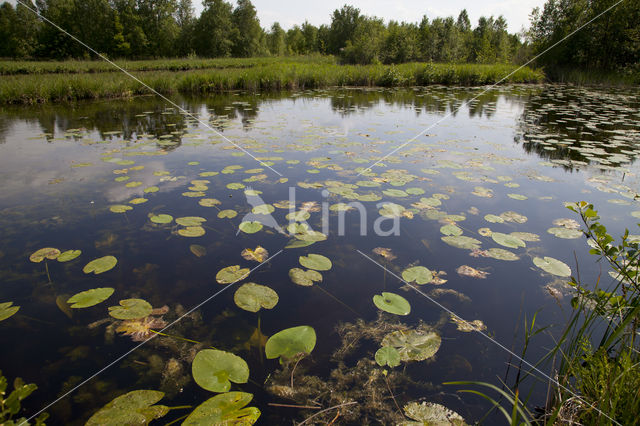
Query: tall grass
{"type": "Point", "coordinates": [39, 88]}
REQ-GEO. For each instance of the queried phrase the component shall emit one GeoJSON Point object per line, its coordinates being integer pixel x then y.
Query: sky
{"type": "Point", "coordinates": [291, 12]}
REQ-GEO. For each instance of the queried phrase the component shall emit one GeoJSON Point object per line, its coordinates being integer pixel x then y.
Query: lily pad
{"type": "Point", "coordinates": [514, 217]}
{"type": "Point", "coordinates": [209, 202]}
{"type": "Point", "coordinates": [120, 208]}
{"type": "Point", "coordinates": [161, 219]}
{"type": "Point", "coordinates": [235, 185]}
{"type": "Point", "coordinates": [291, 342]}
{"type": "Point", "coordinates": [462, 242]}
{"type": "Point", "coordinates": [552, 266]}
{"type": "Point", "coordinates": [251, 297]}
{"type": "Point", "coordinates": [69, 255]}
{"type": "Point", "coordinates": [502, 254]}
{"type": "Point", "coordinates": [151, 190]}
{"type": "Point", "coordinates": [130, 309]}
{"type": "Point", "coordinates": [133, 408]}
{"type": "Point", "coordinates": [392, 303]}
{"type": "Point", "coordinates": [227, 214]}
{"type": "Point", "coordinates": [192, 231]}
{"type": "Point", "coordinates": [214, 370]}
{"type": "Point", "coordinates": [430, 413]}
{"type": "Point", "coordinates": [231, 274]}
{"type": "Point", "coordinates": [7, 310]}
{"type": "Point", "coordinates": [100, 265]}
{"type": "Point", "coordinates": [493, 218]}
{"type": "Point", "coordinates": [451, 230]}
{"type": "Point", "coordinates": [304, 278]}
{"type": "Point", "coordinates": [250, 227]}
{"type": "Point", "coordinates": [263, 209]}
{"type": "Point", "coordinates": [413, 345]}
{"type": "Point", "coordinates": [316, 262]}
{"type": "Point", "coordinates": [45, 253]}
{"type": "Point", "coordinates": [259, 254]}
{"type": "Point", "coordinates": [190, 221]}
{"type": "Point", "coordinates": [224, 409]}
{"type": "Point", "coordinates": [566, 233]}
{"type": "Point", "coordinates": [198, 250]}
{"type": "Point", "coordinates": [387, 355]}
{"type": "Point", "coordinates": [90, 298]}
{"type": "Point", "coordinates": [418, 274]}
{"type": "Point", "coordinates": [507, 240]}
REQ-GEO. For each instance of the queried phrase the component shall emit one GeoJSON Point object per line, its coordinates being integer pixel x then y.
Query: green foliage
{"type": "Point", "coordinates": [10, 402]}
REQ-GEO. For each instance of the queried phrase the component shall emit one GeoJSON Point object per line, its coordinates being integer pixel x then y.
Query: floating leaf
{"type": "Point", "coordinates": [462, 242]}
{"type": "Point", "coordinates": [44, 253]}
{"type": "Point", "coordinates": [235, 185]}
{"type": "Point", "coordinates": [224, 409]}
{"type": "Point", "coordinates": [502, 254]}
{"type": "Point", "coordinates": [526, 236]}
{"type": "Point", "coordinates": [190, 221]}
{"type": "Point", "coordinates": [316, 262]}
{"type": "Point", "coordinates": [192, 231]}
{"type": "Point", "coordinates": [468, 271]}
{"type": "Point", "coordinates": [430, 413]}
{"type": "Point", "coordinates": [418, 274]}
{"type": "Point", "coordinates": [392, 303]}
{"type": "Point", "coordinates": [227, 214]}
{"type": "Point", "coordinates": [133, 408]}
{"type": "Point", "coordinates": [250, 227]}
{"type": "Point", "coordinates": [209, 202]}
{"type": "Point", "coordinates": [468, 326]}
{"type": "Point", "coordinates": [7, 310]}
{"type": "Point", "coordinates": [518, 197]}
{"type": "Point", "coordinates": [214, 370]}
{"type": "Point", "coordinates": [384, 252]}
{"type": "Point", "coordinates": [263, 209]}
{"type": "Point", "coordinates": [137, 201]}
{"type": "Point", "coordinates": [304, 278]}
{"type": "Point", "coordinates": [493, 218]}
{"type": "Point", "coordinates": [291, 342]}
{"type": "Point", "coordinates": [131, 309]}
{"type": "Point", "coordinates": [567, 223]}
{"type": "Point", "coordinates": [552, 266]}
{"type": "Point", "coordinates": [69, 255]}
{"type": "Point", "coordinates": [507, 240]}
{"type": "Point", "coordinates": [451, 230]}
{"type": "Point", "coordinates": [100, 265]}
{"type": "Point", "coordinates": [161, 219]}
{"type": "Point", "coordinates": [231, 274]}
{"type": "Point", "coordinates": [151, 190]}
{"type": "Point", "coordinates": [387, 355]}
{"type": "Point", "coordinates": [198, 250]}
{"type": "Point", "coordinates": [90, 298]}
{"type": "Point", "coordinates": [259, 254]}
{"type": "Point", "coordinates": [120, 208]}
{"type": "Point", "coordinates": [566, 233]}
{"type": "Point", "coordinates": [413, 345]}
{"type": "Point", "coordinates": [514, 217]}
{"type": "Point", "coordinates": [251, 297]}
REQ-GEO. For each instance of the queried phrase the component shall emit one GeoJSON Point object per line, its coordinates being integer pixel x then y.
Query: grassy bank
{"type": "Point", "coordinates": [241, 74]}
{"type": "Point", "coordinates": [594, 77]}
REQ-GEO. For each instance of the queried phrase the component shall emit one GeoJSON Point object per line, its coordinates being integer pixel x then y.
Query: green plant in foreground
{"type": "Point", "coordinates": [10, 405]}
{"type": "Point", "coordinates": [597, 380]}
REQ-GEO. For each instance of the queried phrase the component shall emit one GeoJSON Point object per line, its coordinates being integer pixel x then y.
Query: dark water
{"type": "Point", "coordinates": [549, 144]}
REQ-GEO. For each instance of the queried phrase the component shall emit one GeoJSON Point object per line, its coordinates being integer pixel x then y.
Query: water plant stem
{"type": "Point", "coordinates": [46, 267]}
{"type": "Point", "coordinates": [175, 337]}
{"type": "Point", "coordinates": [328, 409]}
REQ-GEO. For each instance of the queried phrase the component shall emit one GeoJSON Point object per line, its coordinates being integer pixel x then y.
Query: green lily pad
{"type": "Point", "coordinates": [462, 242]}
{"type": "Point", "coordinates": [235, 185]}
{"type": "Point", "coordinates": [316, 262]}
{"type": "Point", "coordinates": [451, 230]}
{"type": "Point", "coordinates": [526, 236]}
{"type": "Point", "coordinates": [151, 190]}
{"type": "Point", "coordinates": [507, 240]}
{"type": "Point", "coordinates": [130, 309]}
{"type": "Point", "coordinates": [161, 219]}
{"type": "Point", "coordinates": [418, 274]}
{"type": "Point", "coordinates": [304, 278]}
{"type": "Point", "coordinates": [502, 254]}
{"type": "Point", "coordinates": [263, 209]}
{"type": "Point", "coordinates": [250, 227]}
{"type": "Point", "coordinates": [209, 202]}
{"type": "Point", "coordinates": [100, 265]}
{"type": "Point", "coordinates": [120, 208]}
{"type": "Point", "coordinates": [391, 210]}
{"type": "Point", "coordinates": [251, 297]}
{"type": "Point", "coordinates": [398, 193]}
{"type": "Point", "coordinates": [430, 413]}
{"type": "Point", "coordinates": [90, 298]}
{"type": "Point", "coordinates": [552, 266]}
{"type": "Point", "coordinates": [227, 214]}
{"type": "Point", "coordinates": [387, 355]}
{"type": "Point", "coordinates": [514, 217]}
{"type": "Point", "coordinates": [69, 255]}
{"type": "Point", "coordinates": [518, 197]}
{"type": "Point", "coordinates": [492, 218]}
{"type": "Point", "coordinates": [413, 345]}
{"type": "Point", "coordinates": [190, 221]}
{"type": "Point", "coordinates": [291, 342]}
{"type": "Point", "coordinates": [192, 231]}
{"type": "Point", "coordinates": [298, 216]}
{"type": "Point", "coordinates": [566, 233]}
{"type": "Point", "coordinates": [45, 253]}
{"type": "Point", "coordinates": [7, 310]}
{"type": "Point", "coordinates": [224, 409]}
{"type": "Point", "coordinates": [392, 303]}
{"type": "Point", "coordinates": [133, 408]}
{"type": "Point", "coordinates": [231, 274]}
{"type": "Point", "coordinates": [214, 370]}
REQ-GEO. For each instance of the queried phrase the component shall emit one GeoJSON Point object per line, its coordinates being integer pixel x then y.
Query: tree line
{"type": "Point", "coordinates": [139, 29]}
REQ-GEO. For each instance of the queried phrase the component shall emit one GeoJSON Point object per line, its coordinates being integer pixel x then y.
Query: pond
{"type": "Point", "coordinates": [388, 219]}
